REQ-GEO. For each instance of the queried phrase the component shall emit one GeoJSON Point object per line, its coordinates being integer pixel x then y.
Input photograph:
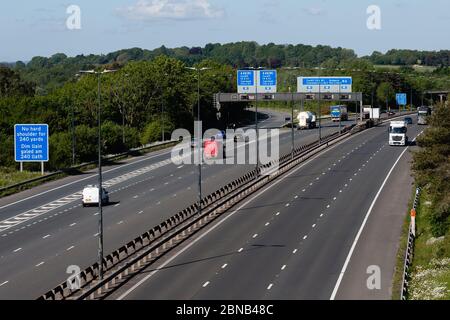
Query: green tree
{"type": "Point", "coordinates": [431, 167]}
{"type": "Point", "coordinates": [385, 93]}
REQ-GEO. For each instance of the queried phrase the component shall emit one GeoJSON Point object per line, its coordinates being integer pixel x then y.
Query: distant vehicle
{"type": "Point", "coordinates": [397, 133]}
{"type": "Point", "coordinates": [390, 113]}
{"type": "Point", "coordinates": [339, 113]}
{"type": "Point", "coordinates": [90, 196]}
{"type": "Point", "coordinates": [287, 119]}
{"type": "Point", "coordinates": [306, 120]}
{"type": "Point", "coordinates": [408, 120]}
{"type": "Point", "coordinates": [423, 113]}
{"type": "Point", "coordinates": [367, 111]}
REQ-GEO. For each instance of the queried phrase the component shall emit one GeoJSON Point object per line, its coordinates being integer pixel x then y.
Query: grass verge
{"type": "Point", "coordinates": [398, 273]}
{"type": "Point", "coordinates": [430, 271]}
{"type": "Point", "coordinates": [10, 176]}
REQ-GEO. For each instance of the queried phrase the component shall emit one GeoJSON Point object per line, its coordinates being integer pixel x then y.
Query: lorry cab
{"type": "Point", "coordinates": [90, 196]}
{"type": "Point", "coordinates": [339, 113]}
{"type": "Point", "coordinates": [397, 133]}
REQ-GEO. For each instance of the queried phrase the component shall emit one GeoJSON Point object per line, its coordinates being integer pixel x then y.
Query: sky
{"type": "Point", "coordinates": [42, 28]}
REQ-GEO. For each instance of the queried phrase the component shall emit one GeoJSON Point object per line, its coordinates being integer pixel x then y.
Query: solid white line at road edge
{"type": "Point", "coordinates": [349, 256]}
{"type": "Point", "coordinates": [121, 297]}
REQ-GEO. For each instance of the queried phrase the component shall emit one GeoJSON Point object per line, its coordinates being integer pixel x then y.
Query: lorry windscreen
{"type": "Point", "coordinates": [397, 130]}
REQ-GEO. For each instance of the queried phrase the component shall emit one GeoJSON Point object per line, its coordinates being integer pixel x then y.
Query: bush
{"type": "Point", "coordinates": [153, 131]}
{"type": "Point", "coordinates": [432, 168]}
{"type": "Point", "coordinates": [60, 152]}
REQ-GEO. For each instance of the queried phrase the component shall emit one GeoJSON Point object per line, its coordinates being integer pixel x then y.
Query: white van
{"type": "Point", "coordinates": [90, 196]}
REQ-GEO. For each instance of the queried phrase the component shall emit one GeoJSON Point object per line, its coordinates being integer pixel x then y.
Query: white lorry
{"type": "Point", "coordinates": [397, 133]}
{"type": "Point", "coordinates": [306, 120]}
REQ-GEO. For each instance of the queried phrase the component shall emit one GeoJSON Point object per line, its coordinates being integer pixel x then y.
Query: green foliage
{"type": "Point", "coordinates": [153, 131]}
{"type": "Point", "coordinates": [412, 57]}
{"type": "Point", "coordinates": [11, 84]}
{"type": "Point", "coordinates": [148, 83]}
{"type": "Point", "coordinates": [60, 150]}
{"type": "Point", "coordinates": [385, 92]}
{"type": "Point", "coordinates": [432, 167]}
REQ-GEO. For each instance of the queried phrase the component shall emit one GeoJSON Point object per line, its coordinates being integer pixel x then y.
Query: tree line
{"type": "Point", "coordinates": [49, 73]}
{"type": "Point", "coordinates": [145, 98]}
{"type": "Point", "coordinates": [139, 102]}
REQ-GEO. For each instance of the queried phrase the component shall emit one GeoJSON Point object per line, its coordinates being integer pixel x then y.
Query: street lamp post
{"type": "Point", "coordinates": [200, 139]}
{"type": "Point", "coordinates": [100, 183]}
{"type": "Point", "coordinates": [292, 112]}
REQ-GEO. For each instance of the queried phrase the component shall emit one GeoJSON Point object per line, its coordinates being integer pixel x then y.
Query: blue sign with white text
{"type": "Point", "coordinates": [268, 78]}
{"type": "Point", "coordinates": [326, 81]}
{"type": "Point", "coordinates": [246, 78]}
{"type": "Point", "coordinates": [31, 142]}
{"type": "Point", "coordinates": [401, 99]}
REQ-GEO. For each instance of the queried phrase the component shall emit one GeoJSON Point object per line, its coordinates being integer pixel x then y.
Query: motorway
{"type": "Point", "coordinates": [294, 238]}
{"type": "Point", "coordinates": [45, 229]}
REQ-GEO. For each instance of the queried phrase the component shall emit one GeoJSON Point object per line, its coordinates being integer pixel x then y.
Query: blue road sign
{"type": "Point", "coordinates": [268, 78]}
{"type": "Point", "coordinates": [324, 84]}
{"type": "Point", "coordinates": [326, 81]}
{"type": "Point", "coordinates": [246, 78]}
{"type": "Point", "coordinates": [246, 81]}
{"type": "Point", "coordinates": [261, 81]}
{"type": "Point", "coordinates": [401, 99]}
{"type": "Point", "coordinates": [31, 142]}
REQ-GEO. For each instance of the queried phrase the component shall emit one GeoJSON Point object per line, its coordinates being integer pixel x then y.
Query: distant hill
{"type": "Point", "coordinates": [51, 72]}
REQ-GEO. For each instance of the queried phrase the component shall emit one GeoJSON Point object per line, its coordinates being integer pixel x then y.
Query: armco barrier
{"type": "Point", "coordinates": [154, 243]}
{"type": "Point", "coordinates": [161, 238]}
{"type": "Point", "coordinates": [80, 166]}
{"type": "Point", "coordinates": [409, 250]}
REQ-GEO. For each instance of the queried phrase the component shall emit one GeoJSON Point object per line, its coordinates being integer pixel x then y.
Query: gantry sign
{"type": "Point", "coordinates": [287, 97]}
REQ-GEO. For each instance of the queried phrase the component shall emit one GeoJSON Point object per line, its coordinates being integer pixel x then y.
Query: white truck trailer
{"type": "Point", "coordinates": [306, 120]}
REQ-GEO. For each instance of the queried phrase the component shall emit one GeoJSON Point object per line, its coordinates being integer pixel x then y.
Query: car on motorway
{"type": "Point", "coordinates": [390, 113]}
{"type": "Point", "coordinates": [90, 195]}
{"type": "Point", "coordinates": [408, 120]}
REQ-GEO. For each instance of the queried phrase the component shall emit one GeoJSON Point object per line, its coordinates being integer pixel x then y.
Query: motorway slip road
{"type": "Point", "coordinates": [291, 239]}
{"type": "Point", "coordinates": [44, 230]}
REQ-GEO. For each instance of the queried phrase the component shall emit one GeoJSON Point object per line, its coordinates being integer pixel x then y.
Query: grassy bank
{"type": "Point", "coordinates": [430, 277]}
{"type": "Point", "coordinates": [10, 176]}
{"type": "Point", "coordinates": [398, 273]}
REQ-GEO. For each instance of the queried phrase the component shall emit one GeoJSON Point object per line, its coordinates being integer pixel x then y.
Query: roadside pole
{"type": "Point", "coordinates": [292, 122]}
{"type": "Point", "coordinates": [320, 117]}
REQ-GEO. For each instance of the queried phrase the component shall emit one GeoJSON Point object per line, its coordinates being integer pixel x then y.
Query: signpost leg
{"type": "Point", "coordinates": [42, 168]}
{"type": "Point", "coordinates": [21, 166]}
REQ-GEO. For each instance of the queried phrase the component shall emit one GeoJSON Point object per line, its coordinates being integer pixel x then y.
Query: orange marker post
{"type": "Point", "coordinates": [413, 221]}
